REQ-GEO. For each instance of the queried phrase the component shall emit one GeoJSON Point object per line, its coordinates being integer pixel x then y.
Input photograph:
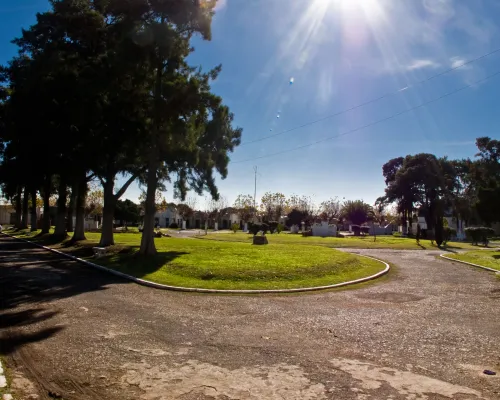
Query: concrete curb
{"type": "Point", "coordinates": [471, 264]}
{"type": "Point", "coordinates": [213, 291]}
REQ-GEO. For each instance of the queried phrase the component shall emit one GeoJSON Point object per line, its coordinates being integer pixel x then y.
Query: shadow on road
{"type": "Point", "coordinates": [30, 280]}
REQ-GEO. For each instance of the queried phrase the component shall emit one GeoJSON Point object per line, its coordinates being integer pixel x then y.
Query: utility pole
{"type": "Point", "coordinates": [255, 193]}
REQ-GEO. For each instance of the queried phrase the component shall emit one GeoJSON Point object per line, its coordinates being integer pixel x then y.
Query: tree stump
{"type": "Point", "coordinates": [260, 240]}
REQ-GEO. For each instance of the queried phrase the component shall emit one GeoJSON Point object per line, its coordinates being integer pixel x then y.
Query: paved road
{"type": "Point", "coordinates": [426, 332]}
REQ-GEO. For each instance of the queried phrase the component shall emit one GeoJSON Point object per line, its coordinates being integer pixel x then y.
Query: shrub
{"type": "Point", "coordinates": [235, 227]}
{"type": "Point", "coordinates": [396, 234]}
{"type": "Point", "coordinates": [256, 228]}
{"type": "Point", "coordinates": [365, 229]}
{"type": "Point", "coordinates": [307, 233]}
{"type": "Point", "coordinates": [479, 234]}
{"type": "Point", "coordinates": [280, 228]}
{"type": "Point", "coordinates": [448, 233]}
{"type": "Point", "coordinates": [272, 226]}
{"type": "Point", "coordinates": [356, 229]}
{"type": "Point", "coordinates": [173, 225]}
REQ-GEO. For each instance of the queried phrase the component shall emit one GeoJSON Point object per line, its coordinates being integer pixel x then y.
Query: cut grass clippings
{"type": "Point", "coordinates": [485, 258]}
{"type": "Point", "coordinates": [225, 265]}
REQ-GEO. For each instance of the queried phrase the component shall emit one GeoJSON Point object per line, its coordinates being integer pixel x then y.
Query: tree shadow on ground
{"type": "Point", "coordinates": [31, 279]}
{"type": "Point", "coordinates": [496, 256]}
{"type": "Point", "coordinates": [129, 261]}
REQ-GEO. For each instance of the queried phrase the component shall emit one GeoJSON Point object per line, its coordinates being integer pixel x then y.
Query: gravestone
{"type": "Point", "coordinates": [259, 240]}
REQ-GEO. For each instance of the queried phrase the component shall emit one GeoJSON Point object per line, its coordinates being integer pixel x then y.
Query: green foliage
{"type": "Point", "coordinates": [396, 234]}
{"type": "Point", "coordinates": [235, 227]}
{"type": "Point", "coordinates": [244, 205]}
{"type": "Point", "coordinates": [356, 211]}
{"type": "Point", "coordinates": [295, 217]}
{"type": "Point", "coordinates": [273, 205]}
{"type": "Point", "coordinates": [479, 234]}
{"type": "Point", "coordinates": [127, 211]}
{"type": "Point", "coordinates": [448, 234]}
{"type": "Point", "coordinates": [280, 228]}
{"type": "Point", "coordinates": [255, 228]}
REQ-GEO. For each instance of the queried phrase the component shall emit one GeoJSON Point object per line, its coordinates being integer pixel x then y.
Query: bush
{"type": "Point", "coordinates": [356, 229]}
{"type": "Point", "coordinates": [448, 233]}
{"type": "Point", "coordinates": [256, 228]}
{"type": "Point", "coordinates": [365, 229]}
{"type": "Point", "coordinates": [396, 234]}
{"type": "Point", "coordinates": [307, 233]}
{"type": "Point", "coordinates": [235, 227]}
{"type": "Point", "coordinates": [479, 234]}
{"type": "Point", "coordinates": [173, 225]}
{"type": "Point", "coordinates": [280, 228]}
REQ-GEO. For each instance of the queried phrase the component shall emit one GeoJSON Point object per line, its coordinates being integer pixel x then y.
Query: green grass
{"type": "Point", "coordinates": [225, 265]}
{"type": "Point", "coordinates": [360, 242]}
{"type": "Point", "coordinates": [485, 258]}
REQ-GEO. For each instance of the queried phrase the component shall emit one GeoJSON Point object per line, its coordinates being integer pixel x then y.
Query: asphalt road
{"type": "Point", "coordinates": [425, 332]}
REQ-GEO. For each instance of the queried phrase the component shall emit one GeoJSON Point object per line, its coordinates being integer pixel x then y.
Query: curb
{"type": "Point", "coordinates": [212, 291]}
{"type": "Point", "coordinates": [471, 264]}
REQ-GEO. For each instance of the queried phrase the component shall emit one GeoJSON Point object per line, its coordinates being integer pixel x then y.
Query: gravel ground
{"type": "Point", "coordinates": [425, 332]}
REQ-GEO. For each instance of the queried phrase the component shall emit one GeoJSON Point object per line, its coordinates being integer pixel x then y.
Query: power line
{"type": "Point", "coordinates": [375, 122]}
{"type": "Point", "coordinates": [373, 100]}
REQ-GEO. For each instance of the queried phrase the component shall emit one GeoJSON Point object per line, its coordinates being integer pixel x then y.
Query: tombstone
{"type": "Point", "coordinates": [324, 229]}
{"type": "Point", "coordinates": [245, 228]}
{"type": "Point", "coordinates": [216, 226]}
{"type": "Point", "coordinates": [184, 225]}
{"type": "Point", "coordinates": [259, 240]}
{"type": "Point", "coordinates": [294, 229]}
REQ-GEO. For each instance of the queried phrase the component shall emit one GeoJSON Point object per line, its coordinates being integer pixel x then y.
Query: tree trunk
{"type": "Point", "coordinates": [71, 208]}
{"type": "Point", "coordinates": [24, 221]}
{"type": "Point", "coordinates": [108, 212]}
{"type": "Point", "coordinates": [33, 211]}
{"type": "Point", "coordinates": [81, 197]}
{"type": "Point", "coordinates": [19, 207]}
{"type": "Point", "coordinates": [46, 204]}
{"type": "Point", "coordinates": [147, 240]}
{"type": "Point", "coordinates": [60, 229]}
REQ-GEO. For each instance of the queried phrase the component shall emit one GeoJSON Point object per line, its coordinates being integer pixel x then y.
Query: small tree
{"type": "Point", "coordinates": [244, 207]}
{"type": "Point", "coordinates": [273, 205]}
{"type": "Point", "coordinates": [216, 208]}
{"type": "Point", "coordinates": [330, 210]}
{"type": "Point", "coordinates": [184, 211]}
{"type": "Point", "coordinates": [356, 211]}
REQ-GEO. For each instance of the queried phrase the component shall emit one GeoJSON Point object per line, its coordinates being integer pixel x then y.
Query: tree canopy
{"type": "Point", "coordinates": [110, 93]}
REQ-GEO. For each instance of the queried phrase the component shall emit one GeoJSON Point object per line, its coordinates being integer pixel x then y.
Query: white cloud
{"type": "Point", "coordinates": [422, 63]}
{"type": "Point", "coordinates": [458, 62]}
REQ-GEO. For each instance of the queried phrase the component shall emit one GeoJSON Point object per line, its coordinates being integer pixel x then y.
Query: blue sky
{"type": "Point", "coordinates": [340, 53]}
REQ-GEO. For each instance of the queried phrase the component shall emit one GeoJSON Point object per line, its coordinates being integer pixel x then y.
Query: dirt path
{"type": "Point", "coordinates": [427, 332]}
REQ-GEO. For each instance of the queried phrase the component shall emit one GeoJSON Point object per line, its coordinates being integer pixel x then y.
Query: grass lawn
{"type": "Point", "coordinates": [224, 265]}
{"type": "Point", "coordinates": [486, 258]}
{"type": "Point", "coordinates": [360, 242]}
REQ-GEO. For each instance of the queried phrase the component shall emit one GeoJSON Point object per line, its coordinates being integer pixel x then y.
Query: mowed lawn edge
{"type": "Point", "coordinates": [484, 258]}
{"type": "Point", "coordinates": [205, 264]}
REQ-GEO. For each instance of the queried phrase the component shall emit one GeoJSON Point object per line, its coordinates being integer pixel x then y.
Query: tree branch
{"type": "Point", "coordinates": [125, 186]}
